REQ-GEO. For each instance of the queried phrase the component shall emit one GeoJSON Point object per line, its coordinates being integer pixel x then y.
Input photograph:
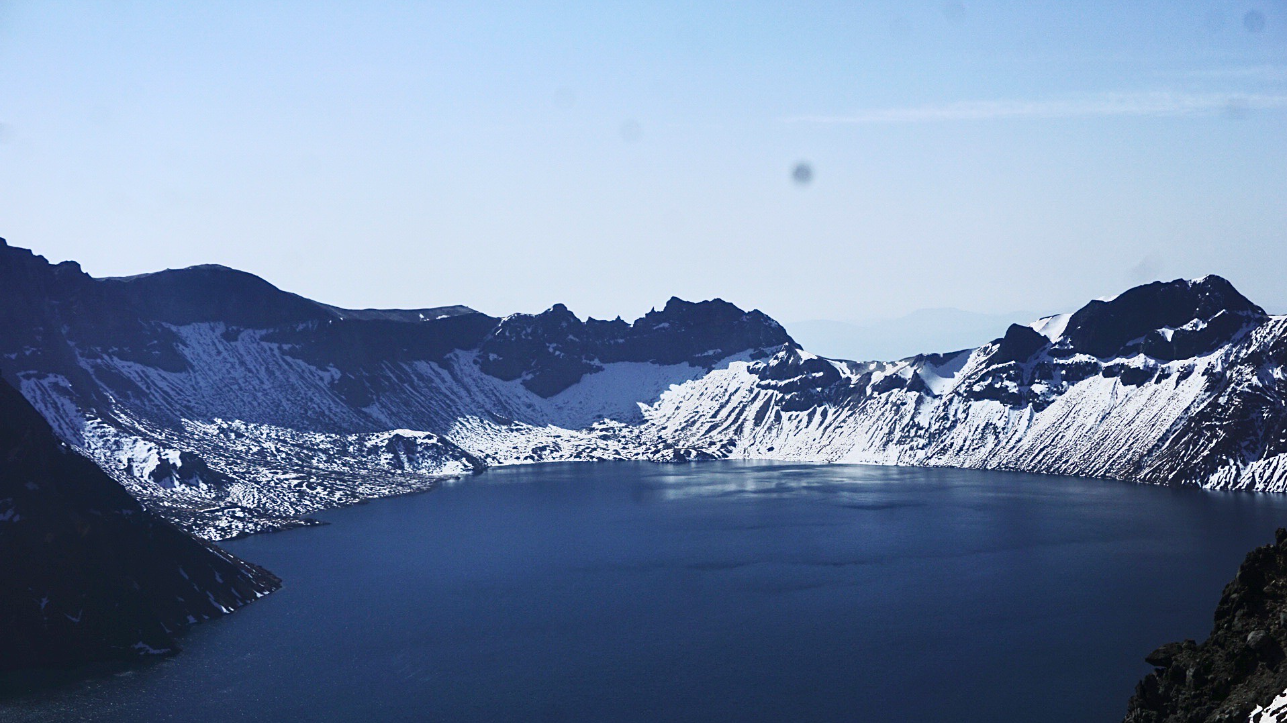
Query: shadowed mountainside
{"type": "Point", "coordinates": [89, 575]}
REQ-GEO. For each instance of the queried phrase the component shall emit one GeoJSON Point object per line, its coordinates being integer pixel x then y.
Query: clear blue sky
{"type": "Point", "coordinates": [985, 156]}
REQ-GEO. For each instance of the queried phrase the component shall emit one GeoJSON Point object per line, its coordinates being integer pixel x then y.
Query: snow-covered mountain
{"type": "Point", "coordinates": [231, 406]}
{"type": "Point", "coordinates": [1178, 382]}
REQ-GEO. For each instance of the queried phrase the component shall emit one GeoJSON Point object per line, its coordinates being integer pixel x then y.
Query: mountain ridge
{"type": "Point", "coordinates": [231, 406]}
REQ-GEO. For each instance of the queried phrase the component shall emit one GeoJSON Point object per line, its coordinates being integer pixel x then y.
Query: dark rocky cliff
{"type": "Point", "coordinates": [1239, 667]}
{"type": "Point", "coordinates": [86, 575]}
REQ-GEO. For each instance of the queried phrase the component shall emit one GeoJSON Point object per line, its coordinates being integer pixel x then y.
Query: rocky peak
{"type": "Point", "coordinates": [709, 315]}
{"type": "Point", "coordinates": [790, 362]}
{"type": "Point", "coordinates": [1166, 320]}
{"type": "Point", "coordinates": [1018, 345]}
{"type": "Point", "coordinates": [552, 350]}
{"type": "Point", "coordinates": [802, 379]}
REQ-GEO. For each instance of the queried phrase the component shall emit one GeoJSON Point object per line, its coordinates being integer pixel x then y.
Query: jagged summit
{"type": "Point", "coordinates": [1166, 320]}
{"type": "Point", "coordinates": [553, 350]}
{"type": "Point", "coordinates": [133, 318]}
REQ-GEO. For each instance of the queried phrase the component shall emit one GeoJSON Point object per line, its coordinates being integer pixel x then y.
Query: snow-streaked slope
{"type": "Point", "coordinates": [1097, 426]}
{"type": "Point", "coordinates": [1072, 415]}
{"type": "Point", "coordinates": [246, 453]}
{"type": "Point", "coordinates": [233, 407]}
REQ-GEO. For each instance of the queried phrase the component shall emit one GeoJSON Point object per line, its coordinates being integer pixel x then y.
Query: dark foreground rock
{"type": "Point", "coordinates": [1240, 668]}
{"type": "Point", "coordinates": [86, 574]}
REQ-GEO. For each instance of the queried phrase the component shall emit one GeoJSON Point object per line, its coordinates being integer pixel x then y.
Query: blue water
{"type": "Point", "coordinates": [709, 592]}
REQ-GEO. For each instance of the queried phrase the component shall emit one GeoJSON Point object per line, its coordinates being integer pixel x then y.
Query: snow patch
{"type": "Point", "coordinates": [1051, 327]}
{"type": "Point", "coordinates": [941, 378]}
{"type": "Point", "coordinates": [145, 649]}
{"type": "Point", "coordinates": [1274, 712]}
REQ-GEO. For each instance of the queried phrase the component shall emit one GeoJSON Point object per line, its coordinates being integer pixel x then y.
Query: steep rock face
{"type": "Point", "coordinates": [554, 350]}
{"type": "Point", "coordinates": [1166, 321]}
{"type": "Point", "coordinates": [88, 574]}
{"type": "Point", "coordinates": [1238, 672]}
{"type": "Point", "coordinates": [1018, 345]}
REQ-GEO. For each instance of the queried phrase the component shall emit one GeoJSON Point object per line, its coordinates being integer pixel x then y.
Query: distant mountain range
{"type": "Point", "coordinates": [902, 337]}
{"type": "Point", "coordinates": [230, 406]}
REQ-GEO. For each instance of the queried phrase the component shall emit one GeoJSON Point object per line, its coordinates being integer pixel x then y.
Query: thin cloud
{"type": "Point", "coordinates": [1096, 106]}
{"type": "Point", "coordinates": [1263, 73]}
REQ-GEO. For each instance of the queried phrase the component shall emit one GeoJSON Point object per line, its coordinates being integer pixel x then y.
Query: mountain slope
{"type": "Point", "coordinates": [88, 574]}
{"type": "Point", "coordinates": [231, 406]}
{"type": "Point", "coordinates": [1171, 383]}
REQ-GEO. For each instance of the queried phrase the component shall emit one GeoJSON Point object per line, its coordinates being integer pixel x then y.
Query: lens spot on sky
{"type": "Point", "coordinates": [630, 131]}
{"type": "Point", "coordinates": [1215, 20]}
{"type": "Point", "coordinates": [564, 98]}
{"type": "Point", "coordinates": [1253, 21]}
{"type": "Point", "coordinates": [954, 12]}
{"type": "Point", "coordinates": [802, 174]}
{"type": "Point", "coordinates": [1236, 107]}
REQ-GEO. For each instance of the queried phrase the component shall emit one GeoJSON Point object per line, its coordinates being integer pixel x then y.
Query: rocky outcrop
{"type": "Point", "coordinates": [1165, 320]}
{"type": "Point", "coordinates": [553, 350]}
{"type": "Point", "coordinates": [1239, 669]}
{"type": "Point", "coordinates": [87, 574]}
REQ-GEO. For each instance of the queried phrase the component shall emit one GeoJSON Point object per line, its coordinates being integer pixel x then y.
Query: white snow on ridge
{"type": "Point", "coordinates": [1099, 426]}
{"type": "Point", "coordinates": [942, 378]}
{"type": "Point", "coordinates": [617, 392]}
{"type": "Point", "coordinates": [1051, 327]}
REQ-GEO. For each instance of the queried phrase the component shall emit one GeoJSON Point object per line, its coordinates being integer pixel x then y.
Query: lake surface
{"type": "Point", "coordinates": [716, 591]}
